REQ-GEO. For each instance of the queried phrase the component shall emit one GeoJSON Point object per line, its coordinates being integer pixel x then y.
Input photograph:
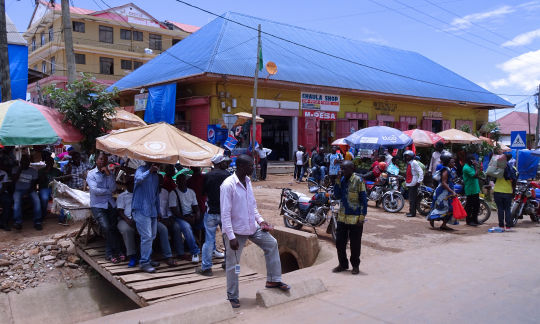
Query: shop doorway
{"type": "Point", "coordinates": [436, 126]}
{"type": "Point", "coordinates": [325, 134]}
{"type": "Point", "coordinates": [276, 135]}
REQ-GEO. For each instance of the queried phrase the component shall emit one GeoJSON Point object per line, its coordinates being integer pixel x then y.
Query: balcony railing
{"type": "Point", "coordinates": [135, 47]}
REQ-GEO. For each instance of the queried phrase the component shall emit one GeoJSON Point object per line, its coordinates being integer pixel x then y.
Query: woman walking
{"type": "Point", "coordinates": [503, 193]}
{"type": "Point", "coordinates": [444, 194]}
{"type": "Point", "coordinates": [472, 189]}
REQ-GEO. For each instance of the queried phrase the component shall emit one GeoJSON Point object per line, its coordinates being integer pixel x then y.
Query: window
{"type": "Point", "coordinates": [136, 65]}
{"type": "Point", "coordinates": [174, 41]}
{"type": "Point", "coordinates": [125, 34]}
{"type": "Point", "coordinates": [53, 65]}
{"type": "Point", "coordinates": [105, 34]}
{"type": "Point", "coordinates": [80, 58]}
{"type": "Point", "coordinates": [33, 44]}
{"type": "Point", "coordinates": [137, 36]}
{"type": "Point", "coordinates": [42, 38]}
{"type": "Point", "coordinates": [43, 67]}
{"type": "Point", "coordinates": [106, 65]}
{"type": "Point", "coordinates": [125, 64]}
{"type": "Point", "coordinates": [78, 27]}
{"type": "Point", "coordinates": [155, 42]}
{"type": "Point", "coordinates": [51, 34]}
{"type": "Point", "coordinates": [34, 67]}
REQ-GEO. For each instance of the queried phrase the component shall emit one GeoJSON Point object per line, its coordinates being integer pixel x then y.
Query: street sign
{"type": "Point", "coordinates": [518, 139]}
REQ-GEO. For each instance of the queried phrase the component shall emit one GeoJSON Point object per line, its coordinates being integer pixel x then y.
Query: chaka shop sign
{"type": "Point", "coordinates": [322, 115]}
{"type": "Point", "coordinates": [320, 101]}
{"type": "Point", "coordinates": [384, 106]}
{"type": "Point", "coordinates": [432, 114]}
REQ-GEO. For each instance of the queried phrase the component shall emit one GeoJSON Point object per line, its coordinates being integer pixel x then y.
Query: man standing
{"type": "Point", "coordinates": [472, 189]}
{"type": "Point", "coordinates": [102, 184]}
{"type": "Point", "coordinates": [317, 164]}
{"type": "Point", "coordinates": [351, 191]}
{"type": "Point", "coordinates": [413, 177]}
{"type": "Point", "coordinates": [263, 161]}
{"type": "Point", "coordinates": [436, 157]}
{"type": "Point", "coordinates": [76, 169]}
{"type": "Point", "coordinates": [25, 179]}
{"type": "Point", "coordinates": [145, 210]}
{"type": "Point", "coordinates": [242, 221]}
{"type": "Point", "coordinates": [212, 218]}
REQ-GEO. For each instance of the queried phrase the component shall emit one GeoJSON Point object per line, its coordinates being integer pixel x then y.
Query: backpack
{"type": "Point", "coordinates": [496, 167]}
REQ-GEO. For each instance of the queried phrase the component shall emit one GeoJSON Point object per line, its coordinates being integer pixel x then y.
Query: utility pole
{"type": "Point", "coordinates": [529, 119]}
{"type": "Point", "coordinates": [536, 138]}
{"type": "Point", "coordinates": [4, 66]}
{"type": "Point", "coordinates": [68, 41]}
{"type": "Point", "coordinates": [254, 111]}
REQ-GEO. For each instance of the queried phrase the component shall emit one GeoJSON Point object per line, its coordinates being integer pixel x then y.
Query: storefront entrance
{"type": "Point", "coordinates": [325, 134]}
{"type": "Point", "coordinates": [276, 135]}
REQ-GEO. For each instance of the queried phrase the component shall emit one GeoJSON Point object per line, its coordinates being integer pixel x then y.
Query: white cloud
{"type": "Point", "coordinates": [468, 20]}
{"type": "Point", "coordinates": [522, 72]}
{"type": "Point", "coordinates": [523, 39]}
{"type": "Point", "coordinates": [375, 40]}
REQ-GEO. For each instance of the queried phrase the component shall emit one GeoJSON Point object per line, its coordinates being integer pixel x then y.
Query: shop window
{"type": "Point", "coordinates": [105, 34]}
{"type": "Point", "coordinates": [436, 126]}
{"type": "Point", "coordinates": [126, 64]}
{"type": "Point", "coordinates": [106, 65]}
{"type": "Point", "coordinates": [362, 124]}
{"type": "Point", "coordinates": [78, 27]}
{"type": "Point", "coordinates": [174, 41]}
{"type": "Point", "coordinates": [137, 36]}
{"type": "Point", "coordinates": [53, 65]}
{"type": "Point", "coordinates": [125, 34]}
{"type": "Point", "coordinates": [155, 42]}
{"type": "Point", "coordinates": [411, 126]}
{"type": "Point", "coordinates": [33, 44]}
{"type": "Point", "coordinates": [51, 34]}
{"type": "Point", "coordinates": [137, 64]}
{"type": "Point", "coordinates": [80, 58]}
{"type": "Point", "coordinates": [42, 38]}
{"type": "Point", "coordinates": [43, 67]}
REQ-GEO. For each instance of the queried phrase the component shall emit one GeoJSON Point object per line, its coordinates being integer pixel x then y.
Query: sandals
{"type": "Point", "coordinates": [122, 258]}
{"type": "Point", "coordinates": [280, 285]}
{"type": "Point", "coordinates": [113, 259]}
{"type": "Point", "coordinates": [171, 262]}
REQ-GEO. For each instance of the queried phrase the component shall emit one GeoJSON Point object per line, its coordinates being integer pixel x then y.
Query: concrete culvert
{"type": "Point", "coordinates": [288, 262]}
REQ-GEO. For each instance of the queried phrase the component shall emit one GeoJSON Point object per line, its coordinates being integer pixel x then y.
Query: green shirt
{"type": "Point", "coordinates": [470, 182]}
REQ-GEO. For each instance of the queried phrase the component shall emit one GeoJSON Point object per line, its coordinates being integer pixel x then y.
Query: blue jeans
{"type": "Point", "coordinates": [107, 220]}
{"type": "Point", "coordinates": [17, 208]}
{"type": "Point", "coordinates": [504, 204]}
{"type": "Point", "coordinates": [318, 172]}
{"type": "Point", "coordinates": [176, 235]}
{"type": "Point", "coordinates": [211, 222]}
{"type": "Point", "coordinates": [188, 236]}
{"type": "Point", "coordinates": [44, 195]}
{"type": "Point", "coordinates": [147, 228]}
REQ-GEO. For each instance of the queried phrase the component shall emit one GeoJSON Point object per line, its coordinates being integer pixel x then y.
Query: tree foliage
{"type": "Point", "coordinates": [87, 106]}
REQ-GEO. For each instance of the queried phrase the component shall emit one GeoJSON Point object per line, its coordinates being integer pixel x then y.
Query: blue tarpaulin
{"type": "Point", "coordinates": [161, 104]}
{"type": "Point", "coordinates": [527, 164]}
{"type": "Point", "coordinates": [18, 70]}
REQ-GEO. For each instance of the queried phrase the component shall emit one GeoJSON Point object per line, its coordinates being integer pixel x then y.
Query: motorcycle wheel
{"type": "Point", "coordinates": [514, 212]}
{"type": "Point", "coordinates": [535, 219]}
{"type": "Point", "coordinates": [396, 205]}
{"type": "Point", "coordinates": [424, 205]}
{"type": "Point", "coordinates": [484, 212]}
{"type": "Point", "coordinates": [291, 224]}
{"type": "Point", "coordinates": [333, 228]}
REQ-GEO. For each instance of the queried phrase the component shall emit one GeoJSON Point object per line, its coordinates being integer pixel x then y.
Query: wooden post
{"type": "Point", "coordinates": [4, 66]}
{"type": "Point", "coordinates": [68, 41]}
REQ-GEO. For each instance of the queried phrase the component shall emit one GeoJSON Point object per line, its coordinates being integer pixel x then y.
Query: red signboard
{"type": "Point", "coordinates": [322, 115]}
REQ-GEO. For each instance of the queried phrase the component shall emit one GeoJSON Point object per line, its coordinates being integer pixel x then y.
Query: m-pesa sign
{"type": "Point", "coordinates": [312, 100]}
{"type": "Point", "coordinates": [322, 115]}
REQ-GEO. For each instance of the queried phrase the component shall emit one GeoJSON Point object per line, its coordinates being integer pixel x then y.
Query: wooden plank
{"type": "Point", "coordinates": [140, 276]}
{"type": "Point", "coordinates": [92, 245]}
{"type": "Point", "coordinates": [172, 281]}
{"type": "Point", "coordinates": [128, 292]}
{"type": "Point", "coordinates": [164, 292]}
{"type": "Point", "coordinates": [162, 267]}
{"type": "Point", "coordinates": [94, 252]}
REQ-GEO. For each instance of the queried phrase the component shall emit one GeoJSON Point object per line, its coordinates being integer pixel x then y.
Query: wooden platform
{"type": "Point", "coordinates": [150, 288]}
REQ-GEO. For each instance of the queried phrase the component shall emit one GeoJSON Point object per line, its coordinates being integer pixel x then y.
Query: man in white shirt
{"type": "Point", "coordinates": [436, 157]}
{"type": "Point", "coordinates": [166, 225]}
{"type": "Point", "coordinates": [183, 205]}
{"type": "Point", "coordinates": [241, 221]}
{"type": "Point", "coordinates": [263, 160]}
{"type": "Point", "coordinates": [413, 177]}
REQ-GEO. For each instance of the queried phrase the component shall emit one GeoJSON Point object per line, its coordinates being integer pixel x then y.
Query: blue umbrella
{"type": "Point", "coordinates": [378, 136]}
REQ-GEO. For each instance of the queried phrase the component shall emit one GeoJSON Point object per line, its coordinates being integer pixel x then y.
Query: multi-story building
{"type": "Point", "coordinates": [109, 43]}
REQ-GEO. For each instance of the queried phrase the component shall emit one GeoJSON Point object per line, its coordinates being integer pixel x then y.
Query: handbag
{"type": "Point", "coordinates": [458, 209]}
{"type": "Point", "coordinates": [496, 167]}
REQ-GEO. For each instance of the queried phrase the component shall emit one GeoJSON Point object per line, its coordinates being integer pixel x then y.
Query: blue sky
{"type": "Point", "coordinates": [494, 43]}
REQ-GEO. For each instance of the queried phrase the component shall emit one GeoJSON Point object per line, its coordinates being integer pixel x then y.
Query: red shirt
{"type": "Point", "coordinates": [196, 183]}
{"type": "Point", "coordinates": [408, 176]}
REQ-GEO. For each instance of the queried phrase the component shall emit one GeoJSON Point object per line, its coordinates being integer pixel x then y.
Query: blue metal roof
{"type": "Point", "coordinates": [224, 47]}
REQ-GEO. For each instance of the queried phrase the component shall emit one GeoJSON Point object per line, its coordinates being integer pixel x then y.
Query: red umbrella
{"type": "Point", "coordinates": [423, 138]}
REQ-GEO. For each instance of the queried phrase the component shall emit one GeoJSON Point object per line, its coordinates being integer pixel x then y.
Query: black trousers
{"type": "Point", "coordinates": [344, 233]}
{"type": "Point", "coordinates": [264, 165]}
{"type": "Point", "coordinates": [413, 195]}
{"type": "Point", "coordinates": [472, 207]}
{"type": "Point", "coordinates": [297, 171]}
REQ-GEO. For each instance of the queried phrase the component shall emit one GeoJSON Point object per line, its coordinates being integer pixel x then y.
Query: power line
{"type": "Point", "coordinates": [345, 59]}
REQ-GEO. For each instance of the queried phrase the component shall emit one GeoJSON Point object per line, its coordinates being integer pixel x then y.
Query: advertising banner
{"type": "Point", "coordinates": [322, 115]}
{"type": "Point", "coordinates": [320, 101]}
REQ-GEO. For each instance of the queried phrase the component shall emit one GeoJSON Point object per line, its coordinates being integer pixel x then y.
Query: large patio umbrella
{"type": "Point", "coordinates": [378, 136]}
{"type": "Point", "coordinates": [422, 137]}
{"type": "Point", "coordinates": [26, 123]}
{"type": "Point", "coordinates": [160, 143]}
{"type": "Point", "coordinates": [456, 136]}
{"type": "Point", "coordinates": [340, 142]}
{"type": "Point", "coordinates": [124, 119]}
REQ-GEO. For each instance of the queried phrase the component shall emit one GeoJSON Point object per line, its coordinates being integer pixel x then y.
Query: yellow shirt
{"type": "Point", "coordinates": [502, 185]}
{"type": "Point", "coordinates": [348, 156]}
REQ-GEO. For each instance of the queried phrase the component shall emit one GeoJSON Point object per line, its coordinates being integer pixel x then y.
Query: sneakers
{"type": "Point", "coordinates": [218, 255]}
{"type": "Point", "coordinates": [154, 263]}
{"type": "Point", "coordinates": [355, 271]}
{"type": "Point", "coordinates": [195, 258]}
{"type": "Point", "coordinates": [38, 227]}
{"type": "Point", "coordinates": [207, 272]}
{"type": "Point", "coordinates": [235, 303]}
{"type": "Point", "coordinates": [148, 268]}
{"type": "Point", "coordinates": [132, 261]}
{"type": "Point", "coordinates": [508, 229]}
{"type": "Point", "coordinates": [338, 269]}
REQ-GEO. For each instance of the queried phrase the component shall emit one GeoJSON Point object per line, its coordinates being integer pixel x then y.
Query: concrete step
{"type": "Point", "coordinates": [278, 167]}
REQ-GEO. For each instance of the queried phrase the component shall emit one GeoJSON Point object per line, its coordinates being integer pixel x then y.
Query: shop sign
{"type": "Point", "coordinates": [320, 101]}
{"type": "Point", "coordinates": [384, 106]}
{"type": "Point", "coordinates": [140, 101]}
{"type": "Point", "coordinates": [322, 115]}
{"type": "Point", "coordinates": [432, 114]}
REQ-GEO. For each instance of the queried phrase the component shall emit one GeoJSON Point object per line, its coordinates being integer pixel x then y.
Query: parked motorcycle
{"type": "Point", "coordinates": [525, 201]}
{"type": "Point", "coordinates": [386, 191]}
{"type": "Point", "coordinates": [300, 210]}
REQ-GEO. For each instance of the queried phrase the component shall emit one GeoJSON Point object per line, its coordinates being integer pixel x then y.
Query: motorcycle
{"type": "Point", "coordinates": [300, 210]}
{"type": "Point", "coordinates": [425, 201]}
{"type": "Point", "coordinates": [525, 201]}
{"type": "Point", "coordinates": [386, 191]}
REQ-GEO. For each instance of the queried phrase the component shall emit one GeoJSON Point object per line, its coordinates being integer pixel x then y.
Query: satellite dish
{"type": "Point", "coordinates": [271, 68]}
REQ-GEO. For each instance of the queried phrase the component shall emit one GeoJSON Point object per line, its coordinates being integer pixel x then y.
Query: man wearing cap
{"type": "Point", "coordinates": [212, 217]}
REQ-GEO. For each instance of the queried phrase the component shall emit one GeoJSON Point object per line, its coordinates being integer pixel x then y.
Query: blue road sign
{"type": "Point", "coordinates": [518, 139]}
